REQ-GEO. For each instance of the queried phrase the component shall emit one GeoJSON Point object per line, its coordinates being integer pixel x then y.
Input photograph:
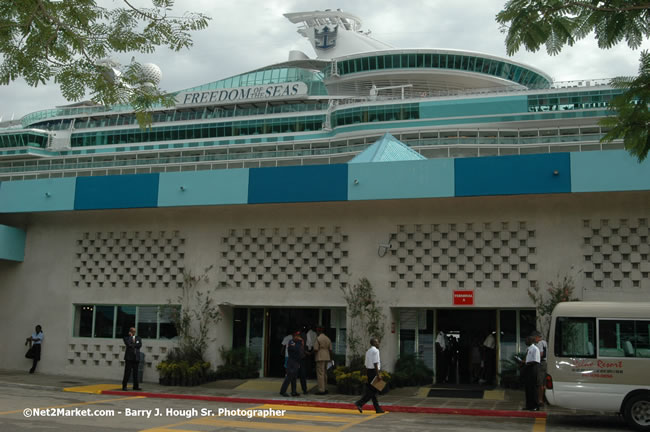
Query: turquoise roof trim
{"type": "Point", "coordinates": [387, 149]}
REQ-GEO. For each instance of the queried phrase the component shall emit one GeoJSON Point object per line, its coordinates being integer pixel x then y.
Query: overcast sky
{"type": "Point", "coordinates": [248, 34]}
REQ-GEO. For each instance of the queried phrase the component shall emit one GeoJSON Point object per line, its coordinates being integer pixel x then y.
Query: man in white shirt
{"type": "Point", "coordinates": [442, 357]}
{"type": "Point", "coordinates": [288, 338]}
{"type": "Point", "coordinates": [373, 365]}
{"type": "Point", "coordinates": [489, 357]}
{"type": "Point", "coordinates": [530, 374]}
{"type": "Point", "coordinates": [35, 342]}
{"type": "Point", "coordinates": [310, 339]}
{"type": "Point", "coordinates": [541, 373]}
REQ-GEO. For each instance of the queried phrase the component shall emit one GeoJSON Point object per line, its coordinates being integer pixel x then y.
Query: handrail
{"type": "Point", "coordinates": [445, 142]}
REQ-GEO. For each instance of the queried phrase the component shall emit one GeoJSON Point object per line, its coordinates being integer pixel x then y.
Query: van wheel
{"type": "Point", "coordinates": [637, 412]}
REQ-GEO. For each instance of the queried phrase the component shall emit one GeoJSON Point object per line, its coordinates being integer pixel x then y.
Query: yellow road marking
{"type": "Point", "coordinates": [94, 389]}
{"type": "Point", "coordinates": [164, 429]}
{"type": "Point", "coordinates": [76, 404]}
{"type": "Point", "coordinates": [314, 409]}
{"type": "Point", "coordinates": [317, 418]}
{"type": "Point", "coordinates": [267, 426]}
{"type": "Point", "coordinates": [292, 413]}
{"type": "Point", "coordinates": [494, 394]}
{"type": "Point", "coordinates": [540, 425]}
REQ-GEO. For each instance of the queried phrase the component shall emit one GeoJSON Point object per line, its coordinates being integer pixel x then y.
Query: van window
{"type": "Point", "coordinates": [616, 338]}
{"type": "Point", "coordinates": [575, 337]}
{"type": "Point", "coordinates": [642, 338]}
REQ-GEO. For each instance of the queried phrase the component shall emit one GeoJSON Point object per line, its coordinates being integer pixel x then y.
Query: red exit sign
{"type": "Point", "coordinates": [463, 298]}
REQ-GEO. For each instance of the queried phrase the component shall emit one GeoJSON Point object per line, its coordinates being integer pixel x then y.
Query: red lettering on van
{"type": "Point", "coordinates": [608, 364]}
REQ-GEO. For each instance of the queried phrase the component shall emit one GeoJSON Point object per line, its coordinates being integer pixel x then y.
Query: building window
{"type": "Point", "coordinates": [147, 322]}
{"type": "Point", "coordinates": [84, 321]}
{"type": "Point", "coordinates": [125, 320]}
{"type": "Point", "coordinates": [114, 321]}
{"type": "Point", "coordinates": [167, 330]}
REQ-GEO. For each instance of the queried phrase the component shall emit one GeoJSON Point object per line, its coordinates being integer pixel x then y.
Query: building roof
{"type": "Point", "coordinates": [387, 149]}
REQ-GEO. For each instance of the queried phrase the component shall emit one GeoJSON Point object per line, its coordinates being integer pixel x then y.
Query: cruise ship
{"type": "Point", "coordinates": [456, 183]}
{"type": "Point", "coordinates": [322, 110]}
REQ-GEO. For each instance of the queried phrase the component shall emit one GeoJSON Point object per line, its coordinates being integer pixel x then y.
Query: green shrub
{"type": "Point", "coordinates": [411, 371]}
{"type": "Point", "coordinates": [511, 370]}
{"type": "Point", "coordinates": [238, 363]}
{"type": "Point", "coordinates": [181, 372]}
{"type": "Point", "coordinates": [353, 380]}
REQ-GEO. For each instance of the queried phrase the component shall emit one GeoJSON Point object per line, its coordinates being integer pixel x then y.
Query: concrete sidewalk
{"type": "Point", "coordinates": [495, 402]}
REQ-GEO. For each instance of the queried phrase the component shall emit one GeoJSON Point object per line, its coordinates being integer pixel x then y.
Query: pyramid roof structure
{"type": "Point", "coordinates": [387, 149]}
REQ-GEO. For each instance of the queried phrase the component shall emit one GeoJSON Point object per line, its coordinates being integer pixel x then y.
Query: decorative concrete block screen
{"type": "Point", "coordinates": [616, 253]}
{"type": "Point", "coordinates": [293, 257]}
{"type": "Point", "coordinates": [110, 353]}
{"type": "Point", "coordinates": [129, 259]}
{"type": "Point", "coordinates": [464, 255]}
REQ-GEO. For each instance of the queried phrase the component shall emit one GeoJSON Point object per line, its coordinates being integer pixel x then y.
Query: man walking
{"type": "Point", "coordinates": [323, 355]}
{"type": "Point", "coordinates": [133, 344]}
{"type": "Point", "coordinates": [373, 365]}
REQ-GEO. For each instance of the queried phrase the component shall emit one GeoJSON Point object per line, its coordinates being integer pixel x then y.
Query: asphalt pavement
{"type": "Point", "coordinates": [493, 402]}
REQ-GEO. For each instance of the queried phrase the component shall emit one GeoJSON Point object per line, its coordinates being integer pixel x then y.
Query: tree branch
{"type": "Point", "coordinates": [60, 25]}
{"type": "Point", "coordinates": [141, 12]}
{"type": "Point", "coordinates": [601, 9]}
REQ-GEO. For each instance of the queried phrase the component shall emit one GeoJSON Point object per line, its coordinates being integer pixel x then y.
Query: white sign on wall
{"type": "Point", "coordinates": [267, 91]}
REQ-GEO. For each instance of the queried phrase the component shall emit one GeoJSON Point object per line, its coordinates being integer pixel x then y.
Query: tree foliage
{"type": "Point", "coordinates": [43, 40]}
{"type": "Point", "coordinates": [633, 121]}
{"type": "Point", "coordinates": [556, 23]}
{"type": "Point", "coordinates": [366, 316]}
{"type": "Point", "coordinates": [557, 291]}
{"type": "Point", "coordinates": [198, 313]}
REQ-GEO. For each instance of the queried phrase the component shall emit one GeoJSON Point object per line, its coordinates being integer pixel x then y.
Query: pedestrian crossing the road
{"type": "Point", "coordinates": [272, 418]}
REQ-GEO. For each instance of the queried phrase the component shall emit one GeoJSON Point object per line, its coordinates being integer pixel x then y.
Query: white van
{"type": "Point", "coordinates": [599, 359]}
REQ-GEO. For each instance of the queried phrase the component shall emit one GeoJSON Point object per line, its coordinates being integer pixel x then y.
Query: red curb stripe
{"type": "Point", "coordinates": [389, 408]}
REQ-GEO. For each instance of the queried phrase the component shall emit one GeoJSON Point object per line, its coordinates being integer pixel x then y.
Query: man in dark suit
{"type": "Point", "coordinates": [296, 353]}
{"type": "Point", "coordinates": [133, 344]}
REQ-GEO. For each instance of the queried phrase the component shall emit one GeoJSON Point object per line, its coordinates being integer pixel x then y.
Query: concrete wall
{"type": "Point", "coordinates": [553, 229]}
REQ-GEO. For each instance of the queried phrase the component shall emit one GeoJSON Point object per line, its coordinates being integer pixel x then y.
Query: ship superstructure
{"type": "Point", "coordinates": [322, 110]}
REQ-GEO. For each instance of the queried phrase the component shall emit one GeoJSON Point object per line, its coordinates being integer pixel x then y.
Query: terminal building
{"type": "Point", "coordinates": [454, 181]}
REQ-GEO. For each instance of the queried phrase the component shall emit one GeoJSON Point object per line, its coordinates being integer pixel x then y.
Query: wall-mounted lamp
{"type": "Point", "coordinates": [47, 194]}
{"type": "Point", "coordinates": [183, 188]}
{"type": "Point", "coordinates": [556, 172]}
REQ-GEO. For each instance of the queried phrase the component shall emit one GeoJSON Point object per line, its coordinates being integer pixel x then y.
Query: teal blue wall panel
{"type": "Point", "coordinates": [613, 170]}
{"type": "Point", "coordinates": [114, 192]}
{"type": "Point", "coordinates": [474, 107]}
{"type": "Point", "coordinates": [314, 183]}
{"type": "Point", "coordinates": [12, 243]}
{"type": "Point", "coordinates": [37, 195]}
{"type": "Point", "coordinates": [404, 179]}
{"type": "Point", "coordinates": [203, 188]}
{"type": "Point", "coordinates": [513, 175]}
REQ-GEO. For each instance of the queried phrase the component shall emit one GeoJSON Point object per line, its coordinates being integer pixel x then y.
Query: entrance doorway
{"type": "Point", "coordinates": [261, 331]}
{"type": "Point", "coordinates": [461, 357]}
{"type": "Point", "coordinates": [282, 322]}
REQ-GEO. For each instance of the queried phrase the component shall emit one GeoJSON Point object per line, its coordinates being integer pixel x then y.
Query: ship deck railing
{"type": "Point", "coordinates": [319, 153]}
